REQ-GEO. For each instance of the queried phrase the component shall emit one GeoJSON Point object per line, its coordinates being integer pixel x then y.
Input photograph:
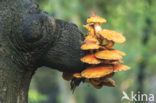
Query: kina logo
{"type": "Point", "coordinates": [138, 97]}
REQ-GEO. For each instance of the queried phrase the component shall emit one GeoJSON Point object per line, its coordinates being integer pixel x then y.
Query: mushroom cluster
{"type": "Point", "coordinates": [103, 61]}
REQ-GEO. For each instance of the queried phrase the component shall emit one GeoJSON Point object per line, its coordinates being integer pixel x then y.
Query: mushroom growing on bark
{"type": "Point", "coordinates": [112, 35]}
{"type": "Point", "coordinates": [101, 59]}
{"type": "Point", "coordinates": [97, 21]}
{"type": "Point", "coordinates": [90, 43]}
{"type": "Point", "coordinates": [90, 59]}
{"type": "Point", "coordinates": [97, 71]}
{"type": "Point", "coordinates": [108, 55]}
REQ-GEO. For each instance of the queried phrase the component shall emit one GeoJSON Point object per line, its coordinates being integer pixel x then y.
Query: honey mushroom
{"type": "Point", "coordinates": [90, 28]}
{"type": "Point", "coordinates": [90, 43]}
{"type": "Point", "coordinates": [77, 75]}
{"type": "Point", "coordinates": [99, 82]}
{"type": "Point", "coordinates": [97, 21]}
{"type": "Point", "coordinates": [112, 35]}
{"type": "Point", "coordinates": [119, 67]}
{"type": "Point", "coordinates": [97, 71]}
{"type": "Point", "coordinates": [112, 61]}
{"type": "Point", "coordinates": [90, 59]}
{"type": "Point", "coordinates": [108, 55]}
{"type": "Point", "coordinates": [103, 60]}
{"type": "Point", "coordinates": [107, 38]}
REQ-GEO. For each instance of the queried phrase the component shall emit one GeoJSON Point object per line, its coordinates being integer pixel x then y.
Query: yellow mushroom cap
{"type": "Point", "coordinates": [89, 27]}
{"type": "Point", "coordinates": [96, 19]}
{"type": "Point", "coordinates": [97, 72]}
{"type": "Point", "coordinates": [77, 75]}
{"type": "Point", "coordinates": [112, 35]}
{"type": "Point", "coordinates": [67, 76]}
{"type": "Point", "coordinates": [90, 46]}
{"type": "Point", "coordinates": [119, 52]}
{"type": "Point", "coordinates": [119, 67]}
{"type": "Point", "coordinates": [90, 38]}
{"type": "Point", "coordinates": [112, 61]}
{"type": "Point", "coordinates": [108, 54]}
{"type": "Point", "coordinates": [90, 43]}
{"type": "Point", "coordinates": [90, 59]}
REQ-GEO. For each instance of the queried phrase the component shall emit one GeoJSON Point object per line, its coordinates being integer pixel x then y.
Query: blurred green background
{"type": "Point", "coordinates": [135, 19]}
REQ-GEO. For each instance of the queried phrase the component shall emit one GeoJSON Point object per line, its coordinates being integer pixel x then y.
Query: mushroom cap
{"type": "Point", "coordinates": [108, 82]}
{"type": "Point", "coordinates": [97, 72]}
{"type": "Point", "coordinates": [96, 19]}
{"type": "Point", "coordinates": [112, 61]}
{"type": "Point", "coordinates": [90, 59]}
{"type": "Point", "coordinates": [119, 52]}
{"type": "Point", "coordinates": [90, 46]}
{"type": "Point", "coordinates": [77, 75]}
{"type": "Point", "coordinates": [119, 67]}
{"type": "Point", "coordinates": [91, 38]}
{"type": "Point", "coordinates": [67, 76]}
{"type": "Point", "coordinates": [98, 83]}
{"type": "Point", "coordinates": [89, 27]}
{"type": "Point", "coordinates": [112, 35]}
{"type": "Point", "coordinates": [108, 54]}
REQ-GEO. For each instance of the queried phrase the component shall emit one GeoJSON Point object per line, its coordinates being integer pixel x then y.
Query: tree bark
{"type": "Point", "coordinates": [30, 38]}
{"type": "Point", "coordinates": [14, 83]}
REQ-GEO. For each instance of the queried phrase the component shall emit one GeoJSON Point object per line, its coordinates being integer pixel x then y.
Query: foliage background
{"type": "Point", "coordinates": [135, 19]}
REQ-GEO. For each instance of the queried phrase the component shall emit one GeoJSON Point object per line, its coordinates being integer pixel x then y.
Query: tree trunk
{"type": "Point", "coordinates": [14, 83]}
{"type": "Point", "coordinates": [14, 78]}
{"type": "Point", "coordinates": [30, 38]}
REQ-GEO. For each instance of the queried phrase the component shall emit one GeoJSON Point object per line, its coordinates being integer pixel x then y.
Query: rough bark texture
{"type": "Point", "coordinates": [30, 38]}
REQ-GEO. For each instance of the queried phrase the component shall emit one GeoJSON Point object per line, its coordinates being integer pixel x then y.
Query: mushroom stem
{"type": "Point", "coordinates": [97, 28]}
